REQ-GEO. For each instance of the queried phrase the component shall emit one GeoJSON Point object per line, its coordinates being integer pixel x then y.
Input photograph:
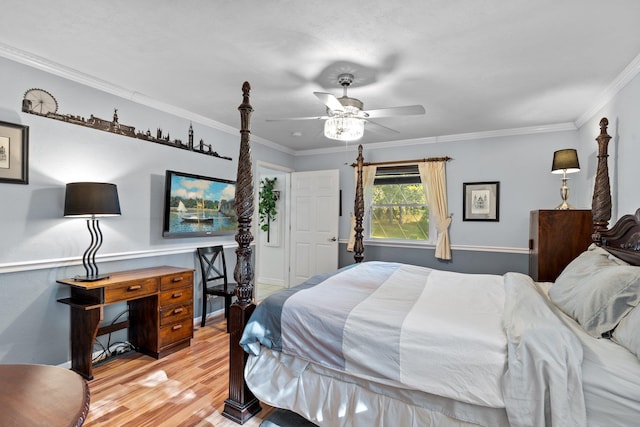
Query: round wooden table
{"type": "Point", "coordinates": [42, 395]}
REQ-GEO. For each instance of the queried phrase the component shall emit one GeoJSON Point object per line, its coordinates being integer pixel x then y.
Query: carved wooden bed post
{"type": "Point", "coordinates": [242, 404]}
{"type": "Point", "coordinates": [601, 203]}
{"type": "Point", "coordinates": [358, 210]}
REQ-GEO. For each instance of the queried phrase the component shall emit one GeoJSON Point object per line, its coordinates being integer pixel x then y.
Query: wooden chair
{"type": "Point", "coordinates": [214, 279]}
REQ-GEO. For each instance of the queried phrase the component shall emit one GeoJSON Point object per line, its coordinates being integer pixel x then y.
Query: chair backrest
{"type": "Point", "coordinates": [212, 264]}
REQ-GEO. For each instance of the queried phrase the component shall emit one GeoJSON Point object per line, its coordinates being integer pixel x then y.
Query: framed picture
{"type": "Point", "coordinates": [198, 206]}
{"type": "Point", "coordinates": [14, 153]}
{"type": "Point", "coordinates": [481, 201]}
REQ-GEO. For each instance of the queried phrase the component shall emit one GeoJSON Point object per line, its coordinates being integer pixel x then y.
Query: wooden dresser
{"type": "Point", "coordinates": [160, 321]}
{"type": "Point", "coordinates": [556, 237]}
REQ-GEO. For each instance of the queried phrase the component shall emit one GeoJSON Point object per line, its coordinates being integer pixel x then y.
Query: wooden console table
{"type": "Point", "coordinates": [42, 395]}
{"type": "Point", "coordinates": [160, 301]}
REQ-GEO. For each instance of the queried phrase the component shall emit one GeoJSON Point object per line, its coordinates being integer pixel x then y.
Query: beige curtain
{"type": "Point", "coordinates": [368, 176]}
{"type": "Point", "coordinates": [434, 182]}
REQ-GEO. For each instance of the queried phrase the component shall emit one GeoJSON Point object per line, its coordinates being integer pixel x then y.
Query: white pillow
{"type": "Point", "coordinates": [627, 334]}
{"type": "Point", "coordinates": [597, 290]}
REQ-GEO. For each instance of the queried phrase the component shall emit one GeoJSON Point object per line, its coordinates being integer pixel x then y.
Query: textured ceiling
{"type": "Point", "coordinates": [475, 65]}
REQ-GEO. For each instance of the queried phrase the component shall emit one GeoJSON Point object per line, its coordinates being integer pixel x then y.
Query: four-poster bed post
{"type": "Point", "coordinates": [601, 202]}
{"type": "Point", "coordinates": [358, 210]}
{"type": "Point", "coordinates": [242, 404]}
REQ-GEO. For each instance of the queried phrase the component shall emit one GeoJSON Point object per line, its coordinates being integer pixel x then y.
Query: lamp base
{"type": "Point", "coordinates": [564, 206]}
{"type": "Point", "coordinates": [91, 278]}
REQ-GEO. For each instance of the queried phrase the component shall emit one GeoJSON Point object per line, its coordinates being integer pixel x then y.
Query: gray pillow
{"type": "Point", "coordinates": [627, 334]}
{"type": "Point", "coordinates": [597, 290]}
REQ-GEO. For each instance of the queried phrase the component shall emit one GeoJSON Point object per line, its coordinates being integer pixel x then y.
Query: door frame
{"type": "Point", "coordinates": [263, 168]}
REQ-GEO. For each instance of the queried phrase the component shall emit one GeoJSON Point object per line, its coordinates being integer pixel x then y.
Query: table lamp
{"type": "Point", "coordinates": [564, 162]}
{"type": "Point", "coordinates": [91, 200]}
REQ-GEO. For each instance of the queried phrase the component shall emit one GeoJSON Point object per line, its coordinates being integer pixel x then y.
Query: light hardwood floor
{"type": "Point", "coordinates": [184, 389]}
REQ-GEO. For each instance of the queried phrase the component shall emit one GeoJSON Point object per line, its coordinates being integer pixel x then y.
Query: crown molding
{"type": "Point", "coordinates": [76, 76]}
{"type": "Point", "coordinates": [559, 127]}
{"type": "Point", "coordinates": [17, 55]}
{"type": "Point", "coordinates": [628, 74]}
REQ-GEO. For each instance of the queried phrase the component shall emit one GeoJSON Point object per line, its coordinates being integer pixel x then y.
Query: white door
{"type": "Point", "coordinates": [314, 223]}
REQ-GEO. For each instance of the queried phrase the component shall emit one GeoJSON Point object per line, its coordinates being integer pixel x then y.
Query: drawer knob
{"type": "Point", "coordinates": [177, 295]}
{"type": "Point", "coordinates": [176, 327]}
{"type": "Point", "coordinates": [178, 310]}
{"type": "Point", "coordinates": [177, 279]}
{"type": "Point", "coordinates": [134, 287]}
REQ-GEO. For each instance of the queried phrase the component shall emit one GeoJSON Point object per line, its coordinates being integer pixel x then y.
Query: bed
{"type": "Point", "coordinates": [389, 344]}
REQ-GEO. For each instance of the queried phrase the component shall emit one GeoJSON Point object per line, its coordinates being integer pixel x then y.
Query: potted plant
{"type": "Point", "coordinates": [268, 197]}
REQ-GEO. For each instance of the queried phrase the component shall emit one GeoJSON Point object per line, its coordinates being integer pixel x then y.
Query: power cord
{"type": "Point", "coordinates": [112, 350]}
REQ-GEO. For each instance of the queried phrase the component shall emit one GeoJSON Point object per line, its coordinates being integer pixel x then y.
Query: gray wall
{"type": "Point", "coordinates": [463, 261]}
{"type": "Point", "coordinates": [522, 165]}
{"type": "Point", "coordinates": [39, 246]}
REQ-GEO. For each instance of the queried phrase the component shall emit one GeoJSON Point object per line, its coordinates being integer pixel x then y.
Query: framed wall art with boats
{"type": "Point", "coordinates": [198, 206]}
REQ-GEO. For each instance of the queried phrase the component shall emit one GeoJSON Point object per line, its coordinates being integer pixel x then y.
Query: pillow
{"type": "Point", "coordinates": [627, 333]}
{"type": "Point", "coordinates": [597, 290]}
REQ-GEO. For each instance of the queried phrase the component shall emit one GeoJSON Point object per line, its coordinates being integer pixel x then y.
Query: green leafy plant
{"type": "Point", "coordinates": [267, 205]}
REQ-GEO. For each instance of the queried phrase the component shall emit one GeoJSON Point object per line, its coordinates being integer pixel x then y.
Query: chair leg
{"type": "Point", "coordinates": [204, 309]}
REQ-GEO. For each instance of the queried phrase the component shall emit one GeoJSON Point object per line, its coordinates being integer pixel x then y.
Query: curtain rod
{"type": "Point", "coordinates": [397, 162]}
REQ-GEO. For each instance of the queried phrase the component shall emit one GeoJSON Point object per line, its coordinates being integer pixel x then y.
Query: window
{"type": "Point", "coordinates": [399, 207]}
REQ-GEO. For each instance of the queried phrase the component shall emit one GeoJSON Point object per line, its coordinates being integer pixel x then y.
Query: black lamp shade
{"type": "Point", "coordinates": [91, 199]}
{"type": "Point", "coordinates": [565, 161]}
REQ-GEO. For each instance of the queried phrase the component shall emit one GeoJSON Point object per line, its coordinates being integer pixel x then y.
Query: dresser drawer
{"type": "Point", "coordinates": [176, 332]}
{"type": "Point", "coordinates": [133, 289]}
{"type": "Point", "coordinates": [176, 296]}
{"type": "Point", "coordinates": [177, 280]}
{"type": "Point", "coordinates": [176, 314]}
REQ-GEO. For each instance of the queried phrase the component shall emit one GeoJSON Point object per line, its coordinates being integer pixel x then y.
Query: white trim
{"type": "Point", "coordinates": [269, 281]}
{"type": "Point", "coordinates": [51, 67]}
{"type": "Point", "coordinates": [68, 73]}
{"type": "Point", "coordinates": [273, 145]}
{"type": "Point", "coordinates": [422, 245]}
{"type": "Point", "coordinates": [267, 165]}
{"type": "Point", "coordinates": [13, 267]}
{"type": "Point", "coordinates": [501, 249]}
{"type": "Point", "coordinates": [560, 127]}
{"type": "Point", "coordinates": [628, 74]}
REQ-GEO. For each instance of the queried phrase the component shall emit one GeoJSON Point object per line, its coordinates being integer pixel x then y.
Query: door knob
{"type": "Point", "coordinates": [333, 239]}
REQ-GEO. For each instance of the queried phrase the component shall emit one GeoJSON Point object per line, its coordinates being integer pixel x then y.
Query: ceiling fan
{"type": "Point", "coordinates": [345, 118]}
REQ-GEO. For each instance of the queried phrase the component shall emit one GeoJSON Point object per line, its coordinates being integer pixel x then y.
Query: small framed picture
{"type": "Point", "coordinates": [481, 201]}
{"type": "Point", "coordinates": [14, 153]}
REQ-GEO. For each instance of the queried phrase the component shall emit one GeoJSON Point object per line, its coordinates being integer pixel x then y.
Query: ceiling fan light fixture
{"type": "Point", "coordinates": [344, 128]}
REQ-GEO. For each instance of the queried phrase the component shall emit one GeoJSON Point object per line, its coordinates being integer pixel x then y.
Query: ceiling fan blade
{"type": "Point", "coordinates": [378, 127]}
{"type": "Point", "coordinates": [407, 110]}
{"type": "Point", "coordinates": [330, 101]}
{"type": "Point", "coordinates": [298, 118]}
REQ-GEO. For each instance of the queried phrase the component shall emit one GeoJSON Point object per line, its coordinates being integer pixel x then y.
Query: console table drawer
{"type": "Point", "coordinates": [176, 314]}
{"type": "Point", "coordinates": [177, 332]}
{"type": "Point", "coordinates": [133, 289]}
{"type": "Point", "coordinates": [176, 296]}
{"type": "Point", "coordinates": [178, 280]}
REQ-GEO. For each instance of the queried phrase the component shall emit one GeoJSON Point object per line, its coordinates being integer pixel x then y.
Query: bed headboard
{"type": "Point", "coordinates": [623, 239]}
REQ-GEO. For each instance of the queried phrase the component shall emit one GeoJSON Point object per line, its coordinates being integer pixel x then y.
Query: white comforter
{"type": "Point", "coordinates": [487, 340]}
